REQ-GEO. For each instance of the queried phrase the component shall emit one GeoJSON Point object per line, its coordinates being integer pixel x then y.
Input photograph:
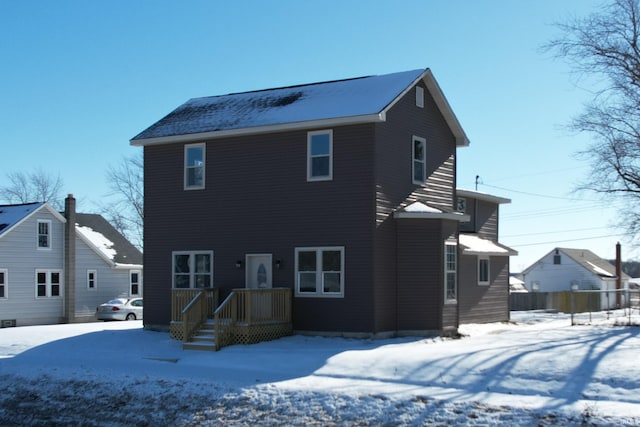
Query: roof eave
{"type": "Point", "coordinates": [432, 215]}
{"type": "Point", "coordinates": [310, 124]}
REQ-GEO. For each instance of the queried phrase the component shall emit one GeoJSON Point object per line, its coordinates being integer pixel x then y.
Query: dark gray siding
{"type": "Point", "coordinates": [420, 292]}
{"type": "Point", "coordinates": [484, 218]}
{"type": "Point", "coordinates": [393, 187]}
{"type": "Point", "coordinates": [484, 304]}
{"type": "Point", "coordinates": [257, 200]}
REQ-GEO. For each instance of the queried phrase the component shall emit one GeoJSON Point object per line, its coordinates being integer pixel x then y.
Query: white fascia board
{"type": "Point", "coordinates": [340, 121]}
{"type": "Point", "coordinates": [432, 215]}
{"type": "Point", "coordinates": [482, 196]}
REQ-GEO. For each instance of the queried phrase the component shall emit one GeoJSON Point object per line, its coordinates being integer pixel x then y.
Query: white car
{"type": "Point", "coordinates": [120, 309]}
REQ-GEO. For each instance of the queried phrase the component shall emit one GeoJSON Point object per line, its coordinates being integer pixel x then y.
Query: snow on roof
{"type": "Point", "coordinates": [476, 245]}
{"type": "Point", "coordinates": [599, 271]}
{"type": "Point", "coordinates": [421, 207]}
{"type": "Point", "coordinates": [318, 101]}
{"type": "Point", "coordinates": [104, 245]}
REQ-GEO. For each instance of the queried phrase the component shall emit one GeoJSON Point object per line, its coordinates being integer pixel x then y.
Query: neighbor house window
{"type": "Point", "coordinates": [483, 270]}
{"type": "Point", "coordinates": [48, 283]}
{"type": "Point", "coordinates": [4, 291]}
{"type": "Point", "coordinates": [44, 234]}
{"type": "Point", "coordinates": [320, 271]}
{"type": "Point", "coordinates": [92, 279]}
{"type": "Point", "coordinates": [192, 270]}
{"type": "Point", "coordinates": [134, 280]}
{"type": "Point", "coordinates": [450, 271]}
{"type": "Point", "coordinates": [419, 160]}
{"type": "Point", "coordinates": [320, 155]}
{"type": "Point", "coordinates": [419, 96]}
{"type": "Point", "coordinates": [194, 166]}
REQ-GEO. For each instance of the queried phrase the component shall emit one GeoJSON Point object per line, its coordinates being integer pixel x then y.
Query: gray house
{"type": "Point", "coordinates": [51, 272]}
{"type": "Point", "coordinates": [342, 192]}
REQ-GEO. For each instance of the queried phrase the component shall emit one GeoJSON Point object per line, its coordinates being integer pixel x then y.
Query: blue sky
{"type": "Point", "coordinates": [79, 79]}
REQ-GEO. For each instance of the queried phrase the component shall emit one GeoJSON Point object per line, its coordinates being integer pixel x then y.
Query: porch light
{"type": "Point", "coordinates": [278, 264]}
{"type": "Point", "coordinates": [238, 264]}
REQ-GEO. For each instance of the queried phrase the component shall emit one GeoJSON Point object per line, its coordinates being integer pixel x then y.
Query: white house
{"type": "Point", "coordinates": [563, 269]}
{"type": "Point", "coordinates": [53, 273]}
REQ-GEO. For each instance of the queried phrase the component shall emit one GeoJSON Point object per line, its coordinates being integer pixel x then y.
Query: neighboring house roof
{"type": "Point", "coordinates": [12, 215]}
{"type": "Point", "coordinates": [516, 285]}
{"type": "Point", "coordinates": [587, 259]}
{"type": "Point", "coordinates": [99, 234]}
{"type": "Point", "coordinates": [474, 245]}
{"type": "Point", "coordinates": [358, 100]}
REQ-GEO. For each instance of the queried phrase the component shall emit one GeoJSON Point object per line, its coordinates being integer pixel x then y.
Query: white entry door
{"type": "Point", "coordinates": [259, 271]}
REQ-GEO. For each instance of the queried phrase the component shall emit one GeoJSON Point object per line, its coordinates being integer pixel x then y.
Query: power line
{"type": "Point", "coordinates": [554, 232]}
{"type": "Point", "coordinates": [567, 240]}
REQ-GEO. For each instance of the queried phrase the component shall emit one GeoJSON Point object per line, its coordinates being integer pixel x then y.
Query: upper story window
{"type": "Point", "coordinates": [4, 292]}
{"type": "Point", "coordinates": [450, 272]}
{"type": "Point", "coordinates": [194, 166]}
{"type": "Point", "coordinates": [320, 155]}
{"type": "Point", "coordinates": [44, 234]}
{"type": "Point", "coordinates": [483, 270]}
{"type": "Point", "coordinates": [320, 271]}
{"type": "Point", "coordinates": [461, 204]}
{"type": "Point", "coordinates": [420, 96]}
{"type": "Point", "coordinates": [419, 168]}
{"type": "Point", "coordinates": [193, 269]}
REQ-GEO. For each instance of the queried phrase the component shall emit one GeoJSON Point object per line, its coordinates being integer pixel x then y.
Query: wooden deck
{"type": "Point", "coordinates": [246, 316]}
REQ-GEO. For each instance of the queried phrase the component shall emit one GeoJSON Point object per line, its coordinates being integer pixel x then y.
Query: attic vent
{"type": "Point", "coordinates": [557, 260]}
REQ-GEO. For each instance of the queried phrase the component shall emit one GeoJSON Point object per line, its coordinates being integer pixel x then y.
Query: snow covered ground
{"type": "Point", "coordinates": [536, 370]}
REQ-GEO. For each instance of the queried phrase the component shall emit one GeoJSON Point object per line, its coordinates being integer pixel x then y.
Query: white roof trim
{"type": "Point", "coordinates": [475, 245]}
{"type": "Point", "coordinates": [339, 121]}
{"type": "Point", "coordinates": [432, 215]}
{"type": "Point", "coordinates": [482, 196]}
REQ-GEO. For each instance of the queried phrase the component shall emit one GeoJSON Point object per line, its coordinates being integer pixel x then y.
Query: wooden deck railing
{"type": "Point", "coordinates": [194, 315]}
{"type": "Point", "coordinates": [251, 308]}
{"type": "Point", "coordinates": [180, 298]}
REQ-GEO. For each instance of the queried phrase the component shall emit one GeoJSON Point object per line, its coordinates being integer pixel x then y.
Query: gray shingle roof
{"type": "Point", "coordinates": [125, 252]}
{"type": "Point", "coordinates": [362, 96]}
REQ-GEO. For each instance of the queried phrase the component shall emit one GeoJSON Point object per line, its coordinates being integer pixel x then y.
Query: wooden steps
{"type": "Point", "coordinates": [204, 339]}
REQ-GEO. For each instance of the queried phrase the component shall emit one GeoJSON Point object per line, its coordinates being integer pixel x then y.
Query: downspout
{"type": "Point", "coordinates": [618, 275]}
{"type": "Point", "coordinates": [70, 259]}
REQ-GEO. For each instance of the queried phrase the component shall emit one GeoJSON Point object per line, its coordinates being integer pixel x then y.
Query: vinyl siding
{"type": "Point", "coordinates": [257, 200]}
{"type": "Point", "coordinates": [481, 303]}
{"type": "Point", "coordinates": [484, 218]}
{"type": "Point", "coordinates": [111, 282]}
{"type": "Point", "coordinates": [20, 257]}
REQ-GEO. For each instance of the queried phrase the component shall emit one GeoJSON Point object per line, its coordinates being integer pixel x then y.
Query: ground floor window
{"type": "Point", "coordinates": [48, 283]}
{"type": "Point", "coordinates": [92, 279]}
{"type": "Point", "coordinates": [450, 272]}
{"type": "Point", "coordinates": [320, 271]}
{"type": "Point", "coordinates": [483, 270]}
{"type": "Point", "coordinates": [134, 280]}
{"type": "Point", "coordinates": [4, 291]}
{"type": "Point", "coordinates": [193, 269]}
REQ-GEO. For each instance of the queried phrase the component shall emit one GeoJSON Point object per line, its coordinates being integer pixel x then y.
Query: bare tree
{"type": "Point", "coordinates": [605, 47]}
{"type": "Point", "coordinates": [36, 186]}
{"type": "Point", "coordinates": [126, 211]}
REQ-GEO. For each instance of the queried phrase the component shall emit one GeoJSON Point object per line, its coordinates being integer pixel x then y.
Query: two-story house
{"type": "Point", "coordinates": [58, 267]}
{"type": "Point", "coordinates": [343, 192]}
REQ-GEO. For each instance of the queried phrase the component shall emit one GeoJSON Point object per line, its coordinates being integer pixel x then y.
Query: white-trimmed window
{"type": "Point", "coordinates": [193, 269]}
{"type": "Point", "coordinates": [419, 96]}
{"type": "Point", "coordinates": [48, 283]}
{"type": "Point", "coordinates": [44, 234]}
{"type": "Point", "coordinates": [134, 281]}
{"type": "Point", "coordinates": [419, 163]}
{"type": "Point", "coordinates": [320, 155]}
{"type": "Point", "coordinates": [450, 272]}
{"type": "Point", "coordinates": [320, 271]}
{"type": "Point", "coordinates": [194, 166]}
{"type": "Point", "coordinates": [92, 279]}
{"type": "Point", "coordinates": [483, 270]}
{"type": "Point", "coordinates": [4, 283]}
